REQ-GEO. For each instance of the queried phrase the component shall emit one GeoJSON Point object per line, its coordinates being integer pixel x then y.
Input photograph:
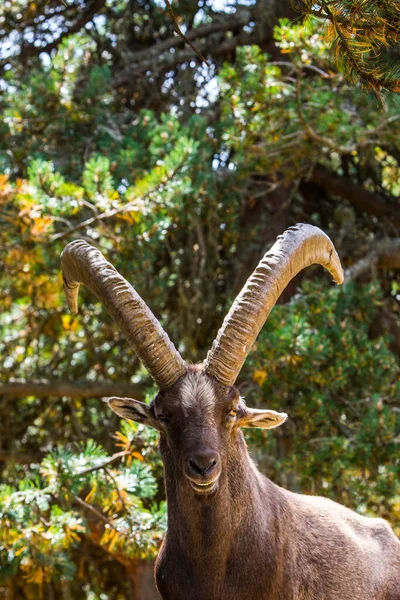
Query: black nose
{"type": "Point", "coordinates": [203, 463]}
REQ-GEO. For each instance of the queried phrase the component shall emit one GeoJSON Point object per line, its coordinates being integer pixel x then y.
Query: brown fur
{"type": "Point", "coordinates": [250, 539]}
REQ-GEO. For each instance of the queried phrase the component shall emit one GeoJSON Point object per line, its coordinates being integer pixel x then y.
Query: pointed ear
{"type": "Point", "coordinates": [265, 419]}
{"type": "Point", "coordinates": [128, 408]}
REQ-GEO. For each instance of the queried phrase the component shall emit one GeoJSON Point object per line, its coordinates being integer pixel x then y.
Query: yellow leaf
{"type": "Point", "coordinates": [137, 455]}
{"type": "Point", "coordinates": [36, 576]}
{"type": "Point", "coordinates": [259, 376]}
{"type": "Point", "coordinates": [40, 226]}
{"type": "Point", "coordinates": [91, 493]}
{"type": "Point", "coordinates": [123, 440]}
{"type": "Point", "coordinates": [69, 323]}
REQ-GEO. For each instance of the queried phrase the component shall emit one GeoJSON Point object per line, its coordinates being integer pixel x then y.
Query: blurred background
{"type": "Point", "coordinates": [115, 131]}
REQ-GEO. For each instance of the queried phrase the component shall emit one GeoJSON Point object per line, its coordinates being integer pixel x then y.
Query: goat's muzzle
{"type": "Point", "coordinates": [203, 470]}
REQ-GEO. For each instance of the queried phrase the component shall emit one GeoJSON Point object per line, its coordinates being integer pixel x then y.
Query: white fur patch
{"type": "Point", "coordinates": [197, 390]}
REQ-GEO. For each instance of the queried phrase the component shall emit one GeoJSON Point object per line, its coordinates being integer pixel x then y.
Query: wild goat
{"type": "Point", "coordinates": [232, 533]}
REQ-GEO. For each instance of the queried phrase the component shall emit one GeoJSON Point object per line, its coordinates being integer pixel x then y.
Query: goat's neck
{"type": "Point", "coordinates": [210, 527]}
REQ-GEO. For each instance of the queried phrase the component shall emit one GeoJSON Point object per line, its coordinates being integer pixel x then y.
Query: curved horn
{"type": "Point", "coordinates": [298, 248]}
{"type": "Point", "coordinates": [83, 264]}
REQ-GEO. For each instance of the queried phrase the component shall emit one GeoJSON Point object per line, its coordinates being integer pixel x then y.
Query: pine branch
{"type": "Point", "coordinates": [360, 31]}
{"type": "Point", "coordinates": [120, 209]}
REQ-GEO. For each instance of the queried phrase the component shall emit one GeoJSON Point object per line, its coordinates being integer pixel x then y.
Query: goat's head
{"type": "Point", "coordinates": [198, 410]}
{"type": "Point", "coordinates": [200, 419]}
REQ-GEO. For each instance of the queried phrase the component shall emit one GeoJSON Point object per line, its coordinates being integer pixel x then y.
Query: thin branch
{"type": "Point", "coordinates": [121, 499]}
{"type": "Point", "coordinates": [71, 389]}
{"type": "Point", "coordinates": [284, 63]}
{"type": "Point", "coordinates": [105, 464]}
{"type": "Point", "coordinates": [14, 457]}
{"type": "Point", "coordinates": [169, 61]}
{"type": "Point", "coordinates": [92, 509]}
{"type": "Point", "coordinates": [228, 23]}
{"type": "Point", "coordinates": [381, 126]}
{"type": "Point", "coordinates": [385, 255]}
{"type": "Point", "coordinates": [182, 35]}
{"type": "Point", "coordinates": [361, 198]}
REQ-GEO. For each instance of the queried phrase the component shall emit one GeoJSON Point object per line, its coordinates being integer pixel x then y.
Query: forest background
{"type": "Point", "coordinates": [182, 173]}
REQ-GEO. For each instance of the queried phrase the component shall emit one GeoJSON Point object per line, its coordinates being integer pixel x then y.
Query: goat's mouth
{"type": "Point", "coordinates": [206, 487]}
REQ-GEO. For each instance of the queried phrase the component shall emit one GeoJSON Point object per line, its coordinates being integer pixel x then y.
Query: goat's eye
{"type": "Point", "coordinates": [163, 418]}
{"type": "Point", "coordinates": [232, 413]}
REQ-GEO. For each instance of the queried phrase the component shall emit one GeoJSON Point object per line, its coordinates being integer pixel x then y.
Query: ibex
{"type": "Point", "coordinates": [232, 533]}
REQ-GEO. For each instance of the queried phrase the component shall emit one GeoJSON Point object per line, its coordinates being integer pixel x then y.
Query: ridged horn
{"type": "Point", "coordinates": [299, 247]}
{"type": "Point", "coordinates": [84, 264]}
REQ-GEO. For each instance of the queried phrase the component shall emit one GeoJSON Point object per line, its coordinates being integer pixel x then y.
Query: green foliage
{"type": "Point", "coordinates": [287, 115]}
{"type": "Point", "coordinates": [56, 507]}
{"type": "Point", "coordinates": [316, 360]}
{"type": "Point", "coordinates": [183, 194]}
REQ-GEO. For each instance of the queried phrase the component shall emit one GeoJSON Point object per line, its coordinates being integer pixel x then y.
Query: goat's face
{"type": "Point", "coordinates": [199, 419]}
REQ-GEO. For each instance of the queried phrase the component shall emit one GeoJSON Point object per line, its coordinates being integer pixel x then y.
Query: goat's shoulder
{"type": "Point", "coordinates": [329, 535]}
{"type": "Point", "coordinates": [329, 514]}
{"type": "Point", "coordinates": [320, 519]}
